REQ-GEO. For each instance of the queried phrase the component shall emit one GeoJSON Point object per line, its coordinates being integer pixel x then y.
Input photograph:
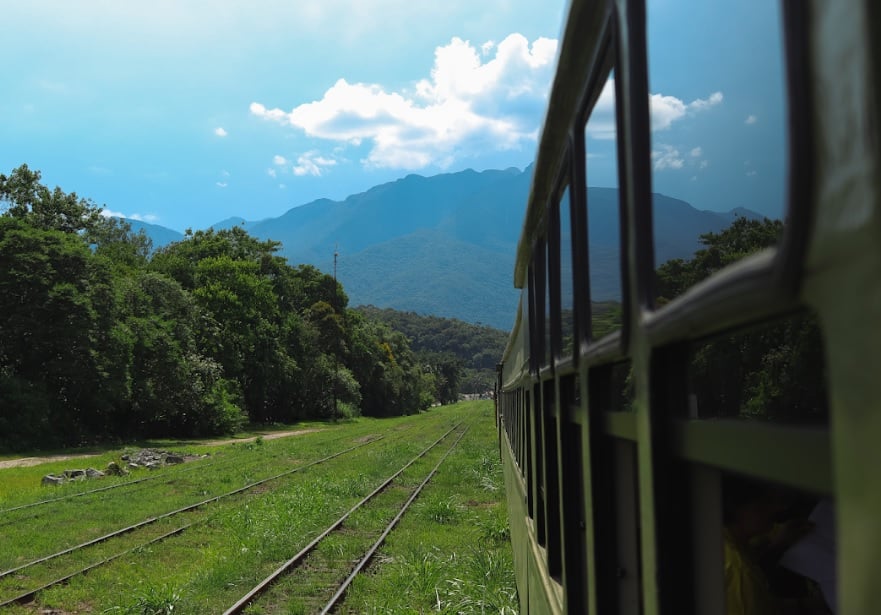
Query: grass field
{"type": "Point", "coordinates": [449, 554]}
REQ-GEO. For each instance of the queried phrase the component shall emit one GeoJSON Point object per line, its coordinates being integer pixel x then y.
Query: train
{"type": "Point", "coordinates": [640, 436]}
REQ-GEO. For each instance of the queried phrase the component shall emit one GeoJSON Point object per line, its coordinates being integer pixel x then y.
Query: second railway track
{"type": "Point", "coordinates": [316, 578]}
{"type": "Point", "coordinates": [17, 586]}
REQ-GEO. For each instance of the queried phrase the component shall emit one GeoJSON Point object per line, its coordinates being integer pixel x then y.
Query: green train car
{"type": "Point", "coordinates": [660, 443]}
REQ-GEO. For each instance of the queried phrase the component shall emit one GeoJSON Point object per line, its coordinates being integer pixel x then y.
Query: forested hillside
{"type": "Point", "coordinates": [476, 349]}
{"type": "Point", "coordinates": [100, 337]}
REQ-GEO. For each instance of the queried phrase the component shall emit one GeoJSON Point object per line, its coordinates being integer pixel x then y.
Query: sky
{"type": "Point", "coordinates": [186, 112]}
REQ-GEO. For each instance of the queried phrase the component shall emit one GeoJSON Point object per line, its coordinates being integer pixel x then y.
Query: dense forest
{"type": "Point", "coordinates": [449, 343]}
{"type": "Point", "coordinates": [101, 337]}
{"type": "Point", "coordinates": [774, 371]}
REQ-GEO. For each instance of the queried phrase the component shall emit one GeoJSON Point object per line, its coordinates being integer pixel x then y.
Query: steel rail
{"type": "Point", "coordinates": [332, 603]}
{"type": "Point", "coordinates": [270, 580]}
{"type": "Point", "coordinates": [152, 520]}
{"type": "Point", "coordinates": [29, 595]}
{"type": "Point", "coordinates": [81, 493]}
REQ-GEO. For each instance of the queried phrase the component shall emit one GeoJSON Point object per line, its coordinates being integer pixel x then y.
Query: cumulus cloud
{"type": "Point", "coordinates": [221, 184]}
{"type": "Point", "coordinates": [697, 152]}
{"type": "Point", "coordinates": [750, 119]}
{"type": "Point", "coordinates": [109, 213]}
{"type": "Point", "coordinates": [465, 104]}
{"type": "Point", "coordinates": [311, 163]}
{"type": "Point", "coordinates": [663, 110]}
{"type": "Point", "coordinates": [668, 157]}
{"type": "Point", "coordinates": [601, 124]}
{"type": "Point", "coordinates": [220, 132]}
{"type": "Point", "coordinates": [279, 161]}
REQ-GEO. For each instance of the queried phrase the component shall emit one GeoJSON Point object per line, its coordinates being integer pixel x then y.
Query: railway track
{"type": "Point", "coordinates": [190, 467]}
{"type": "Point", "coordinates": [331, 576]}
{"type": "Point", "coordinates": [29, 595]}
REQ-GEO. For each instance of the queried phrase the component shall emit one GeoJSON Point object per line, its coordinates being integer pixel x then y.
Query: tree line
{"type": "Point", "coordinates": [463, 355]}
{"type": "Point", "coordinates": [101, 337]}
{"type": "Point", "coordinates": [773, 371]}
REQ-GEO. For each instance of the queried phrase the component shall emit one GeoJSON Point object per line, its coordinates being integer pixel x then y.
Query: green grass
{"type": "Point", "coordinates": [456, 534]}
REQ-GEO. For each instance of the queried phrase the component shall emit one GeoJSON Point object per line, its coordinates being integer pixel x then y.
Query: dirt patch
{"type": "Point", "coordinates": [269, 436]}
{"type": "Point", "coordinates": [26, 462]}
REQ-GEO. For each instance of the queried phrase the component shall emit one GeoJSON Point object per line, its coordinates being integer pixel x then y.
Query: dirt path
{"type": "Point", "coordinates": [25, 462]}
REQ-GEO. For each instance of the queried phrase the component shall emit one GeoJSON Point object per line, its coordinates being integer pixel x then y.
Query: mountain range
{"type": "Point", "coordinates": [445, 245]}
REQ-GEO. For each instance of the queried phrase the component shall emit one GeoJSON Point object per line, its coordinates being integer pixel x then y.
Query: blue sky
{"type": "Point", "coordinates": [184, 113]}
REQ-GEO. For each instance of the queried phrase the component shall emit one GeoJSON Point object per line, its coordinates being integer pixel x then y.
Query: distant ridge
{"type": "Point", "coordinates": [444, 245]}
{"type": "Point", "coordinates": [160, 235]}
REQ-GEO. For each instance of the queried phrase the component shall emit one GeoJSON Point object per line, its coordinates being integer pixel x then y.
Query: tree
{"type": "Point", "coordinates": [28, 200]}
{"type": "Point", "coordinates": [745, 236]}
{"type": "Point", "coordinates": [774, 371]}
{"type": "Point", "coordinates": [49, 327]}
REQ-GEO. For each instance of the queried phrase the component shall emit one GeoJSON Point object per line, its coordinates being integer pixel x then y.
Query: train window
{"type": "Point", "coordinates": [567, 292]}
{"type": "Point", "coordinates": [611, 387]}
{"type": "Point", "coordinates": [773, 372]}
{"type": "Point", "coordinates": [551, 415]}
{"type": "Point", "coordinates": [572, 476]}
{"type": "Point", "coordinates": [778, 547]}
{"type": "Point", "coordinates": [547, 343]}
{"type": "Point", "coordinates": [718, 130]}
{"type": "Point", "coordinates": [603, 214]}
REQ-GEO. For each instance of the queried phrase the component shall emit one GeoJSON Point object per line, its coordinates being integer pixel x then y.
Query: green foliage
{"type": "Point", "coordinates": [29, 201]}
{"type": "Point", "coordinates": [772, 372]}
{"type": "Point", "coordinates": [461, 357]}
{"type": "Point", "coordinates": [744, 237]}
{"type": "Point", "coordinates": [102, 338]}
{"type": "Point", "coordinates": [154, 601]}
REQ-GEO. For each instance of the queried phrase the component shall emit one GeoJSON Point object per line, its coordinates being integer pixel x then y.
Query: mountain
{"type": "Point", "coordinates": [160, 235]}
{"type": "Point", "coordinates": [445, 245]}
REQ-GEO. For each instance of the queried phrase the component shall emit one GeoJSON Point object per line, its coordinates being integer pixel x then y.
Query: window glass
{"type": "Point", "coordinates": [603, 214]}
{"type": "Point", "coordinates": [774, 372]}
{"type": "Point", "coordinates": [718, 131]}
{"type": "Point", "coordinates": [567, 294]}
{"type": "Point", "coordinates": [779, 549]}
{"type": "Point", "coordinates": [611, 387]}
{"type": "Point", "coordinates": [548, 330]}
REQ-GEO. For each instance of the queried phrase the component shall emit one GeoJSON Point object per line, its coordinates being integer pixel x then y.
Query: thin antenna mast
{"type": "Point", "coordinates": [336, 367]}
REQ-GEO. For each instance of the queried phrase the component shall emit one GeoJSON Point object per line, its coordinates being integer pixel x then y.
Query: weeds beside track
{"type": "Point", "coordinates": [237, 542]}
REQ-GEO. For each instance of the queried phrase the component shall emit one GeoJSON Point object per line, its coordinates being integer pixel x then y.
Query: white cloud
{"type": "Point", "coordinates": [465, 105]}
{"type": "Point", "coordinates": [271, 172]}
{"type": "Point", "coordinates": [220, 132]}
{"type": "Point", "coordinates": [221, 184]}
{"type": "Point", "coordinates": [664, 111]}
{"type": "Point", "coordinates": [751, 119]}
{"type": "Point", "coordinates": [668, 157]}
{"type": "Point", "coordinates": [109, 213]}
{"type": "Point", "coordinates": [601, 124]}
{"type": "Point", "coordinates": [279, 160]}
{"type": "Point", "coordinates": [697, 152]}
{"type": "Point", "coordinates": [312, 163]}
{"type": "Point", "coordinates": [704, 164]}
